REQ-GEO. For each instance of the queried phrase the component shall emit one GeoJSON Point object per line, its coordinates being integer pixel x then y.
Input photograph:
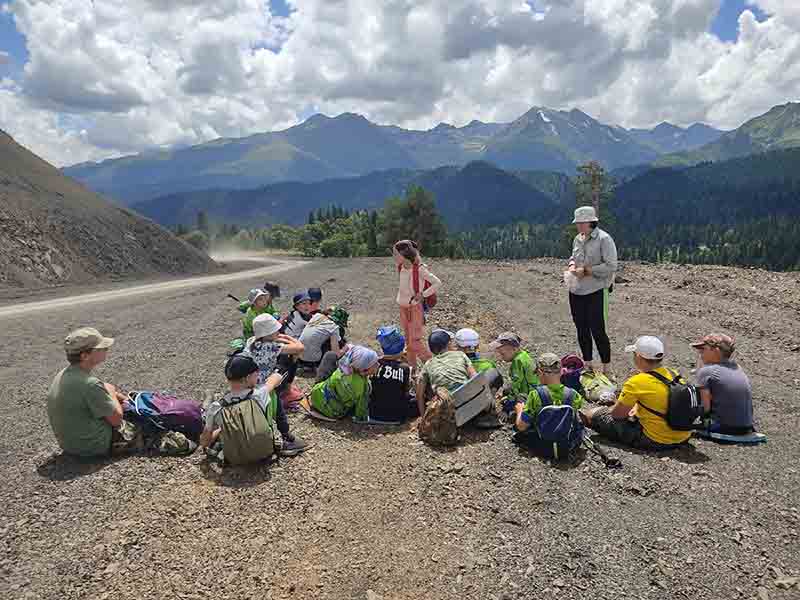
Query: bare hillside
{"type": "Point", "coordinates": [54, 230]}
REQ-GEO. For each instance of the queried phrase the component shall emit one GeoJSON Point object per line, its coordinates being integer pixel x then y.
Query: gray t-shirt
{"type": "Point", "coordinates": [318, 331]}
{"type": "Point", "coordinates": [731, 394]}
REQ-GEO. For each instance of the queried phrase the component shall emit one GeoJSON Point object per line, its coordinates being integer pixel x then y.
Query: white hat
{"type": "Point", "coordinates": [585, 214]}
{"type": "Point", "coordinates": [255, 294]}
{"type": "Point", "coordinates": [264, 325]}
{"type": "Point", "coordinates": [467, 338]}
{"type": "Point", "coordinates": [647, 346]}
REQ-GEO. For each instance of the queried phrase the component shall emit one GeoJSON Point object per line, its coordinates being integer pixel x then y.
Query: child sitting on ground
{"type": "Point", "coordinates": [724, 387]}
{"type": "Point", "coordinates": [347, 389]}
{"type": "Point", "coordinates": [551, 392]}
{"type": "Point", "coordinates": [242, 374]}
{"type": "Point", "coordinates": [468, 341]}
{"type": "Point", "coordinates": [275, 351]}
{"type": "Point", "coordinates": [260, 302]}
{"type": "Point", "coordinates": [508, 347]}
{"type": "Point", "coordinates": [391, 398]}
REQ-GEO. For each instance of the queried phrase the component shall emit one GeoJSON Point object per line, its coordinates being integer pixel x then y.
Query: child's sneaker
{"type": "Point", "coordinates": [293, 447]}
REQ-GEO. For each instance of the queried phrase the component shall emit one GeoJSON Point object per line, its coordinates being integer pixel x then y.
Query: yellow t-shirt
{"type": "Point", "coordinates": [646, 389]}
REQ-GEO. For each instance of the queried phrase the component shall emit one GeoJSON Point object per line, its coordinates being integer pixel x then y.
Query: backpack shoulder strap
{"type": "Point", "coordinates": [569, 396]}
{"type": "Point", "coordinates": [415, 277]}
{"type": "Point", "coordinates": [662, 379]}
{"type": "Point", "coordinates": [544, 395]}
{"type": "Point", "coordinates": [238, 400]}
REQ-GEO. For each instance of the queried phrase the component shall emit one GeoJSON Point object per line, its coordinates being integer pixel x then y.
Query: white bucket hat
{"type": "Point", "coordinates": [585, 214]}
{"type": "Point", "coordinates": [264, 325]}
{"type": "Point", "coordinates": [647, 346]}
{"type": "Point", "coordinates": [467, 338]}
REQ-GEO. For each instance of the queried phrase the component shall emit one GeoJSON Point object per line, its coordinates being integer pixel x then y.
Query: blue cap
{"type": "Point", "coordinates": [315, 294]}
{"type": "Point", "coordinates": [391, 340]}
{"type": "Point", "coordinates": [438, 340]}
{"type": "Point", "coordinates": [301, 297]}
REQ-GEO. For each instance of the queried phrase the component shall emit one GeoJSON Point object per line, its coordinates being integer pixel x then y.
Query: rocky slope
{"type": "Point", "coordinates": [53, 230]}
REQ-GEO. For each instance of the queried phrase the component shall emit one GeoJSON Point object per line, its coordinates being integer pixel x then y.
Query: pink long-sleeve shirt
{"type": "Point", "coordinates": [405, 292]}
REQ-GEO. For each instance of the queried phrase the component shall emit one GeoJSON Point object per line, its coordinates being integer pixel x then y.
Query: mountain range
{"type": "Point", "coordinates": [466, 196]}
{"type": "Point", "coordinates": [777, 129]}
{"type": "Point", "coordinates": [349, 145]}
{"type": "Point", "coordinates": [53, 230]}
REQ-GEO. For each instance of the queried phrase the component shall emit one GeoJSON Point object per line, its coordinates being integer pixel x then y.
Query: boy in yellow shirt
{"type": "Point", "coordinates": [633, 420]}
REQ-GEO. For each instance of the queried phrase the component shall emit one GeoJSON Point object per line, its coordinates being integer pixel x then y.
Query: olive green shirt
{"type": "Point", "coordinates": [77, 404]}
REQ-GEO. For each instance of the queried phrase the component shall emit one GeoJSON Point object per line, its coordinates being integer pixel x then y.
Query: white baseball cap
{"type": "Point", "coordinates": [585, 214]}
{"type": "Point", "coordinates": [467, 338]}
{"type": "Point", "coordinates": [264, 325]}
{"type": "Point", "coordinates": [647, 346]}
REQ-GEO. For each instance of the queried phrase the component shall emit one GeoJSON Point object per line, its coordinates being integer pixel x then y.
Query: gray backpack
{"type": "Point", "coordinates": [247, 435]}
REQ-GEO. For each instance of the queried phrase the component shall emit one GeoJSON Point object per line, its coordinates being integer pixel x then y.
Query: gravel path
{"type": "Point", "coordinates": [371, 512]}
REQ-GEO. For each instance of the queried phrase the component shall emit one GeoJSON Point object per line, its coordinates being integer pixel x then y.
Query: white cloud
{"type": "Point", "coordinates": [120, 76]}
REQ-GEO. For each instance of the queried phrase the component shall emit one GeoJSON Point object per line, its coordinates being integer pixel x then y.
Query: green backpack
{"type": "Point", "coordinates": [247, 435]}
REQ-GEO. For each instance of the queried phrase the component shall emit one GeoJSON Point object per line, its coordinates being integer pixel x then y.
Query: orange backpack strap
{"type": "Point", "coordinates": [415, 278]}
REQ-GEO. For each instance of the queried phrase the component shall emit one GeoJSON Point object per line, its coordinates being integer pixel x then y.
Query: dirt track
{"type": "Point", "coordinates": [373, 510]}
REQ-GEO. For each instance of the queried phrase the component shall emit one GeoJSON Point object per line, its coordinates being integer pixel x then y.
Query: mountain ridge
{"type": "Point", "coordinates": [349, 145]}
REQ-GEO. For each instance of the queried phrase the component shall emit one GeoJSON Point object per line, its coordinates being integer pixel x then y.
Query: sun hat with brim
{"type": "Point", "coordinates": [264, 325]}
{"type": "Point", "coordinates": [647, 346]}
{"type": "Point", "coordinates": [86, 339]}
{"type": "Point", "coordinates": [391, 340]}
{"type": "Point", "coordinates": [438, 340]}
{"type": "Point", "coordinates": [507, 338]}
{"type": "Point", "coordinates": [549, 363]}
{"type": "Point", "coordinates": [240, 366]}
{"type": "Point", "coordinates": [717, 340]}
{"type": "Point", "coordinates": [467, 338]}
{"type": "Point", "coordinates": [585, 214]}
{"type": "Point", "coordinates": [255, 294]}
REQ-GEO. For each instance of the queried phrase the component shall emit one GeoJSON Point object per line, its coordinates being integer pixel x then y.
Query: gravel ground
{"type": "Point", "coordinates": [371, 512]}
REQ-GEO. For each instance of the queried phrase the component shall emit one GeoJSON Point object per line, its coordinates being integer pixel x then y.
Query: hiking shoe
{"type": "Point", "coordinates": [293, 447]}
{"type": "Point", "coordinates": [487, 421]}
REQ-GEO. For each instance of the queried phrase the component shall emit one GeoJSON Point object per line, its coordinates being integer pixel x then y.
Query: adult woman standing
{"type": "Point", "coordinates": [411, 294]}
{"type": "Point", "coordinates": [593, 264]}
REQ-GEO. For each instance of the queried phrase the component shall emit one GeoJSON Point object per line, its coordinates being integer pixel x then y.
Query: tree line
{"type": "Point", "coordinates": [710, 214]}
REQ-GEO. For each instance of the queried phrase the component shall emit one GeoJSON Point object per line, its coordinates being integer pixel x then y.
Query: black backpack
{"type": "Point", "coordinates": [684, 406]}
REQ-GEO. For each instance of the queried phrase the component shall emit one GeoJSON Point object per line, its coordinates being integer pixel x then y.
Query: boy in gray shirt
{"type": "Point", "coordinates": [724, 387]}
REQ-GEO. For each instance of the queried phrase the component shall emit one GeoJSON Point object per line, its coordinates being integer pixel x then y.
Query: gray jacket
{"type": "Point", "coordinates": [600, 253]}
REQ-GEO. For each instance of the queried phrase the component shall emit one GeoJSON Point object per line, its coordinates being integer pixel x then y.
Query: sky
{"type": "Point", "coordinates": [93, 79]}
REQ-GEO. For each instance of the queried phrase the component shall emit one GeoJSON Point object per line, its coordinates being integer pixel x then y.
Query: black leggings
{"type": "Point", "coordinates": [589, 315]}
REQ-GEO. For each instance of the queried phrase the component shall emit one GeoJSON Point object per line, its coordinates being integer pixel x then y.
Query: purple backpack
{"type": "Point", "coordinates": [160, 412]}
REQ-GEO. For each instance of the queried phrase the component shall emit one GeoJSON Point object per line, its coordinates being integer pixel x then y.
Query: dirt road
{"type": "Point", "coordinates": [372, 513]}
{"type": "Point", "coordinates": [154, 289]}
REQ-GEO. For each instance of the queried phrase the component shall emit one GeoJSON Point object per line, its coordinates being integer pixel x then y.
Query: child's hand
{"type": "Point", "coordinates": [286, 339]}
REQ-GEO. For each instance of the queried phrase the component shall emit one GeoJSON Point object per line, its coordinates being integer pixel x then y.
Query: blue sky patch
{"type": "Point", "coordinates": [726, 23]}
{"type": "Point", "coordinates": [13, 43]}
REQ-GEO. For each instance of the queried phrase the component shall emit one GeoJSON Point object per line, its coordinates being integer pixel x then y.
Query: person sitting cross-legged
{"type": "Point", "coordinates": [86, 415]}
{"type": "Point", "coordinates": [391, 398]}
{"type": "Point", "coordinates": [724, 387]}
{"type": "Point", "coordinates": [633, 419]}
{"type": "Point", "coordinates": [448, 368]}
{"type": "Point", "coordinates": [347, 389]}
{"type": "Point", "coordinates": [551, 392]}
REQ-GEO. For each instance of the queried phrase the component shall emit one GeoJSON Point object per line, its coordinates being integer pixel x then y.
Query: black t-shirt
{"type": "Point", "coordinates": [390, 391]}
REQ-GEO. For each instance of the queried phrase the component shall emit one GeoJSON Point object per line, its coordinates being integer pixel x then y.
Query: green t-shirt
{"type": "Point", "coordinates": [77, 404]}
{"type": "Point", "coordinates": [534, 403]}
{"type": "Point", "coordinates": [482, 364]}
{"type": "Point", "coordinates": [449, 370]}
{"type": "Point", "coordinates": [341, 394]}
{"type": "Point", "coordinates": [523, 374]}
{"type": "Point", "coordinates": [249, 317]}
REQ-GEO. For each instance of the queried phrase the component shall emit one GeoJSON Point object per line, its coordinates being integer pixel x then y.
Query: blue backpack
{"type": "Point", "coordinates": [558, 426]}
{"type": "Point", "coordinates": [157, 412]}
